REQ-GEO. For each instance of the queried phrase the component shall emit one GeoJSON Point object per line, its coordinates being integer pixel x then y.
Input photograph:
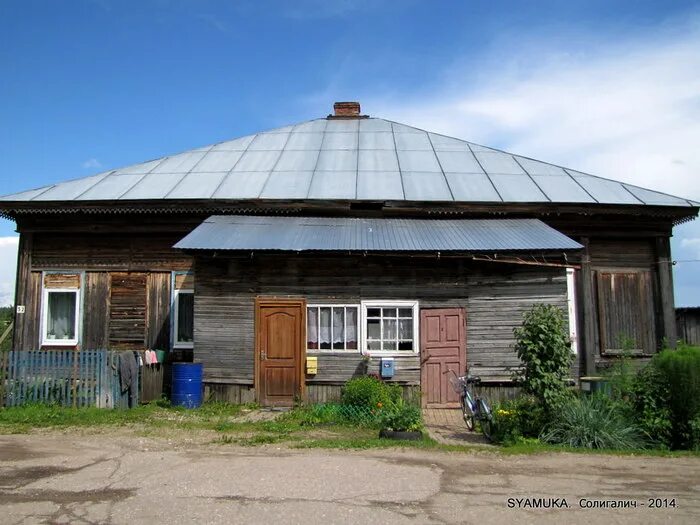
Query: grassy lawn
{"type": "Point", "coordinates": [220, 423]}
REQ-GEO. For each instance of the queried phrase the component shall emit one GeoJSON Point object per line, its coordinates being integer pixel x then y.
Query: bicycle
{"type": "Point", "coordinates": [474, 408]}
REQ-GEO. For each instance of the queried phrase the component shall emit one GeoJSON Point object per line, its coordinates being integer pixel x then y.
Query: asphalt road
{"type": "Point", "coordinates": [68, 478]}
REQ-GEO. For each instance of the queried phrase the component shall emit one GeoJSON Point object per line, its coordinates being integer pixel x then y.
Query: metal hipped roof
{"type": "Point", "coordinates": [348, 159]}
{"type": "Point", "coordinates": [226, 232]}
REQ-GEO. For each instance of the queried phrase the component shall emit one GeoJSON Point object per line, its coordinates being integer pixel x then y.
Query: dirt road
{"type": "Point", "coordinates": [70, 478]}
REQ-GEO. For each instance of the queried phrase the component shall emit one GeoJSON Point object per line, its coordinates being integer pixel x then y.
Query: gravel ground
{"type": "Point", "coordinates": [68, 477]}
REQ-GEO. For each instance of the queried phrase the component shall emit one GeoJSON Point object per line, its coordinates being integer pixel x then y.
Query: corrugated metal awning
{"type": "Point", "coordinates": [381, 235]}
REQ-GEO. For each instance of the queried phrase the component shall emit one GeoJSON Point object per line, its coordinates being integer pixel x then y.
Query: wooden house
{"type": "Point", "coordinates": [291, 260]}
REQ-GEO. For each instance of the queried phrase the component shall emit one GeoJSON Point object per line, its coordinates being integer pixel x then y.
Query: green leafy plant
{"type": "Point", "coordinates": [648, 404]}
{"type": "Point", "coordinates": [516, 419]}
{"type": "Point", "coordinates": [368, 391]}
{"type": "Point", "coordinates": [401, 416]}
{"type": "Point", "coordinates": [543, 346]}
{"type": "Point", "coordinates": [680, 369]}
{"type": "Point", "coordinates": [593, 422]}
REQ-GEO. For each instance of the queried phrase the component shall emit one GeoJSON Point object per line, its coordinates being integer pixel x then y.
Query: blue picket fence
{"type": "Point", "coordinates": [64, 377]}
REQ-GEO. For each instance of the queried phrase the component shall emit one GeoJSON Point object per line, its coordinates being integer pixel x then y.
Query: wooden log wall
{"type": "Point", "coordinates": [623, 301]}
{"type": "Point", "coordinates": [494, 295]}
{"type": "Point", "coordinates": [688, 324]}
{"type": "Point", "coordinates": [135, 313]}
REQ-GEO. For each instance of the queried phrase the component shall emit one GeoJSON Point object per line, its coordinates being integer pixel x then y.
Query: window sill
{"type": "Point", "coordinates": [354, 351]}
{"type": "Point", "coordinates": [379, 353]}
{"type": "Point", "coordinates": [59, 342]}
{"type": "Point", "coordinates": [183, 346]}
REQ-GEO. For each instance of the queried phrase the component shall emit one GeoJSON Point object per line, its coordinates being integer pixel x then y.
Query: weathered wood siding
{"type": "Point", "coordinates": [159, 296]}
{"type": "Point", "coordinates": [495, 297]}
{"type": "Point", "coordinates": [127, 314]}
{"type": "Point", "coordinates": [127, 252]}
{"type": "Point", "coordinates": [96, 300]}
{"type": "Point", "coordinates": [625, 312]}
{"type": "Point", "coordinates": [688, 322]}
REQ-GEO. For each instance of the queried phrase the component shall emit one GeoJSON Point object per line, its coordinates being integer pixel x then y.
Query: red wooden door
{"type": "Point", "coordinates": [443, 347]}
{"type": "Point", "coordinates": [279, 347]}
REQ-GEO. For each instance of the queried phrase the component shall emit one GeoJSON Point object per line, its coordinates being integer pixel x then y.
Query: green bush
{"type": "Point", "coordinates": [543, 346]}
{"type": "Point", "coordinates": [516, 419]}
{"type": "Point", "coordinates": [681, 369]}
{"type": "Point", "coordinates": [371, 392]}
{"type": "Point", "coordinates": [401, 416]}
{"type": "Point", "coordinates": [648, 404]}
{"type": "Point", "coordinates": [593, 422]}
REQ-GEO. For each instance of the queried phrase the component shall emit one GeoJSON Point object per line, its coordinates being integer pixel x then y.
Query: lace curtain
{"type": "Point", "coordinates": [61, 315]}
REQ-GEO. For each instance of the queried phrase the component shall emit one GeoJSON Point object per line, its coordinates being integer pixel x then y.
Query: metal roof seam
{"type": "Point", "coordinates": [580, 185]}
{"type": "Point", "coordinates": [357, 160]}
{"type": "Point", "coordinates": [628, 191]}
{"type": "Point", "coordinates": [176, 185]}
{"type": "Point", "coordinates": [313, 172]}
{"type": "Point", "coordinates": [398, 160]}
{"type": "Point", "coordinates": [228, 174]}
{"type": "Point", "coordinates": [627, 184]}
{"type": "Point", "coordinates": [93, 185]}
{"type": "Point", "coordinates": [530, 177]}
{"type": "Point", "coordinates": [485, 172]}
{"type": "Point", "coordinates": [143, 176]}
{"type": "Point", "coordinates": [444, 175]}
{"type": "Point", "coordinates": [269, 176]}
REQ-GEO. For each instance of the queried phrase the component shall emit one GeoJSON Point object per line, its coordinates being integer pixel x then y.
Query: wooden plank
{"type": "Point", "coordinates": [22, 295]}
{"type": "Point", "coordinates": [668, 309]}
{"type": "Point", "coordinates": [128, 311]}
{"type": "Point", "coordinates": [62, 280]}
{"type": "Point", "coordinates": [587, 308]}
{"type": "Point", "coordinates": [159, 298]}
{"type": "Point", "coordinates": [96, 308]}
{"type": "Point", "coordinates": [184, 281]}
{"type": "Point", "coordinates": [496, 297]}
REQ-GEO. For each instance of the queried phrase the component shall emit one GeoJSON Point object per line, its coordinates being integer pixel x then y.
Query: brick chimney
{"type": "Point", "coordinates": [346, 110]}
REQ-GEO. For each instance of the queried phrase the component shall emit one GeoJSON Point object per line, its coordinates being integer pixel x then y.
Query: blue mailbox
{"type": "Point", "coordinates": [387, 368]}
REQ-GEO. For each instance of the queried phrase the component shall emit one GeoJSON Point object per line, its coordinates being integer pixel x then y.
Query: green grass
{"type": "Point", "coordinates": [291, 429]}
{"type": "Point", "coordinates": [211, 416]}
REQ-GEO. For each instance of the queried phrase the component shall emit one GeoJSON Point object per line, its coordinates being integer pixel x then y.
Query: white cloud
{"type": "Point", "coordinates": [92, 163]}
{"type": "Point", "coordinates": [8, 269]}
{"type": "Point", "coordinates": [630, 111]}
{"type": "Point", "coordinates": [628, 108]}
{"type": "Point", "coordinates": [692, 245]}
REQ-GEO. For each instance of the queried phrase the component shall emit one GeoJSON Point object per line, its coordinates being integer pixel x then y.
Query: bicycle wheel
{"type": "Point", "coordinates": [468, 410]}
{"type": "Point", "coordinates": [486, 427]}
{"type": "Point", "coordinates": [485, 418]}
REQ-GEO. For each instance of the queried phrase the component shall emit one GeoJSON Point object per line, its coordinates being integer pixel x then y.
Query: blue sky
{"type": "Point", "coordinates": [606, 87]}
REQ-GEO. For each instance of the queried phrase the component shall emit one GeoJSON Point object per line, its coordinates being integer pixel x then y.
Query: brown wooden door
{"type": "Point", "coordinates": [443, 347]}
{"type": "Point", "coordinates": [279, 350]}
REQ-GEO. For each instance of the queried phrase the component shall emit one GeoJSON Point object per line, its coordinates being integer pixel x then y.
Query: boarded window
{"type": "Point", "coordinates": [127, 316]}
{"type": "Point", "coordinates": [626, 312]}
{"type": "Point", "coordinates": [62, 280]}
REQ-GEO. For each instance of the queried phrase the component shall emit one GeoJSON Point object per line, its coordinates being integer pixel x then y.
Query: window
{"type": "Point", "coordinates": [626, 312]}
{"type": "Point", "coordinates": [390, 326]}
{"type": "Point", "coordinates": [571, 301]}
{"type": "Point", "coordinates": [60, 319]}
{"type": "Point", "coordinates": [184, 318]}
{"type": "Point", "coordinates": [331, 327]}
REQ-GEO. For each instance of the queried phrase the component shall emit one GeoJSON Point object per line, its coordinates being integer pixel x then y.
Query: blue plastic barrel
{"type": "Point", "coordinates": [187, 385]}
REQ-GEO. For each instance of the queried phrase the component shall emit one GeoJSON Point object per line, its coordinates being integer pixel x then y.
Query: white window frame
{"type": "Point", "coordinates": [390, 304]}
{"type": "Point", "coordinates": [45, 341]}
{"type": "Point", "coordinates": [175, 310]}
{"type": "Point", "coordinates": [332, 350]}
{"type": "Point", "coordinates": [571, 303]}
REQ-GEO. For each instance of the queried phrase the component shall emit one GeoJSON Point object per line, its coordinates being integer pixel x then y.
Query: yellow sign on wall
{"type": "Point", "coordinates": [311, 365]}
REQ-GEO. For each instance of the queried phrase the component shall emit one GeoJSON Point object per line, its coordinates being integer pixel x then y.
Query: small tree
{"type": "Point", "coordinates": [543, 346]}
